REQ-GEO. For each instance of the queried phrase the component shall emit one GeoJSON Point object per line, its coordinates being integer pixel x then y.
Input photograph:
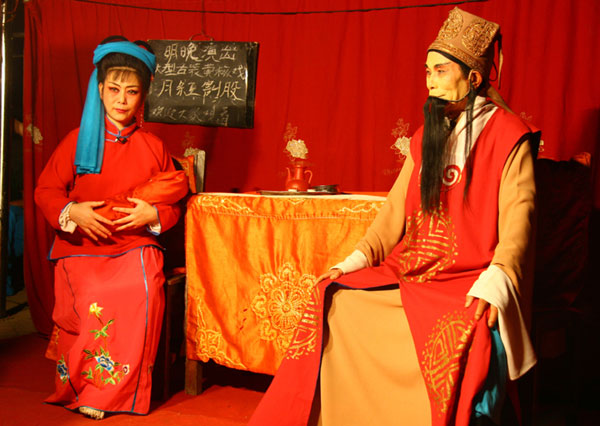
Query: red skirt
{"type": "Point", "coordinates": [108, 314]}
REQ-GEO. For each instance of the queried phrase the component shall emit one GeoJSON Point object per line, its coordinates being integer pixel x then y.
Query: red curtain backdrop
{"type": "Point", "coordinates": [349, 82]}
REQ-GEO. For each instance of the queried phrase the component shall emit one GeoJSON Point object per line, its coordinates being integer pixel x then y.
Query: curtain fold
{"type": "Point", "coordinates": [348, 83]}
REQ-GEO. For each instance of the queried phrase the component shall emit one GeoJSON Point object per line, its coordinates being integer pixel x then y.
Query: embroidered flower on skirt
{"type": "Point", "coordinates": [105, 370]}
{"type": "Point", "coordinates": [62, 370]}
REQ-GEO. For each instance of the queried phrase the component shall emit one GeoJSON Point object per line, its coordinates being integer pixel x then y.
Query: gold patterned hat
{"type": "Point", "coordinates": [470, 39]}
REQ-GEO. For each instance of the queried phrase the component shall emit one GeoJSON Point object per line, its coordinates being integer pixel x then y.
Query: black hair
{"type": "Point", "coordinates": [122, 60]}
{"type": "Point", "coordinates": [464, 68]}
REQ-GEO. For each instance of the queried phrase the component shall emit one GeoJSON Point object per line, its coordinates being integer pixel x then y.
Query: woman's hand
{"type": "Point", "coordinates": [141, 215]}
{"type": "Point", "coordinates": [331, 275]}
{"type": "Point", "coordinates": [88, 220]}
{"type": "Point", "coordinates": [482, 305]}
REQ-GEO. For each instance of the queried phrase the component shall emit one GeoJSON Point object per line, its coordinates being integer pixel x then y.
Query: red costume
{"type": "Point", "coordinates": [109, 298]}
{"type": "Point", "coordinates": [435, 264]}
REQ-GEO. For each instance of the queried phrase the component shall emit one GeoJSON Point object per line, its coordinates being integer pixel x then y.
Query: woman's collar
{"type": "Point", "coordinates": [116, 134]}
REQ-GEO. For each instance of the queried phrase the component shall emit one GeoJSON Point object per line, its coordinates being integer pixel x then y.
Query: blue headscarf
{"type": "Point", "coordinates": [90, 142]}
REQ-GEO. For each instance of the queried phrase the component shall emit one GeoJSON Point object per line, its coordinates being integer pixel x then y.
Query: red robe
{"type": "Point", "coordinates": [163, 188]}
{"type": "Point", "coordinates": [435, 265]}
{"type": "Point", "coordinates": [125, 167]}
{"type": "Point", "coordinates": [109, 297]}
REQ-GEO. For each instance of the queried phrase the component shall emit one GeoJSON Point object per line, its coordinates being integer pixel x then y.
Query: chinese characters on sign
{"type": "Point", "coordinates": [209, 83]}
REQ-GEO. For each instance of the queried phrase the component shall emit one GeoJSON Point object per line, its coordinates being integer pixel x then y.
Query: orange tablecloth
{"type": "Point", "coordinates": [251, 263]}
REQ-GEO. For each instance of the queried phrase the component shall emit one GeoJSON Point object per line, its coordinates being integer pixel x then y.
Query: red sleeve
{"type": "Point", "coordinates": [168, 214]}
{"type": "Point", "coordinates": [57, 179]}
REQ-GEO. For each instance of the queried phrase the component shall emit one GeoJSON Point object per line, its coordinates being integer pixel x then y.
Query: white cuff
{"type": "Point", "coordinates": [64, 220]}
{"type": "Point", "coordinates": [496, 288]}
{"type": "Point", "coordinates": [357, 260]}
{"type": "Point", "coordinates": [155, 229]}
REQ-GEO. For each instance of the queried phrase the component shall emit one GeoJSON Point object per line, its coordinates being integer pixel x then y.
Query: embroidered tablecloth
{"type": "Point", "coordinates": [251, 264]}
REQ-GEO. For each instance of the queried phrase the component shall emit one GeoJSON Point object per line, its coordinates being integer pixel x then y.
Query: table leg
{"type": "Point", "coordinates": [193, 377]}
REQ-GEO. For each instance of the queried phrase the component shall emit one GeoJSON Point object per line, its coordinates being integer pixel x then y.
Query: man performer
{"type": "Point", "coordinates": [454, 236]}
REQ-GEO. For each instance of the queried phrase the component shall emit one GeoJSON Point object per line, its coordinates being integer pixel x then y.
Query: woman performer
{"type": "Point", "coordinates": [108, 271]}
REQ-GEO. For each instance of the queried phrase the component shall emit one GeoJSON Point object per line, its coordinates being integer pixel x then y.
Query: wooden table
{"type": "Point", "coordinates": [251, 264]}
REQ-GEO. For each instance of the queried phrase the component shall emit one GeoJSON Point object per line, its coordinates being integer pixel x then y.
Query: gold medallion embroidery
{"type": "Point", "coordinates": [307, 332]}
{"type": "Point", "coordinates": [442, 356]}
{"type": "Point", "coordinates": [281, 302]}
{"type": "Point", "coordinates": [430, 246]}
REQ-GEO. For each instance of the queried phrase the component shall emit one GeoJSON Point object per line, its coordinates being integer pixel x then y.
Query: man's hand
{"type": "Point", "coordinates": [88, 220]}
{"type": "Point", "coordinates": [331, 275]}
{"type": "Point", "coordinates": [141, 215]}
{"type": "Point", "coordinates": [482, 305]}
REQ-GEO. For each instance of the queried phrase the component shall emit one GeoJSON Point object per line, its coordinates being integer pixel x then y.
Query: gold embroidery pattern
{"type": "Point", "coordinates": [223, 204]}
{"type": "Point", "coordinates": [209, 343]}
{"type": "Point", "coordinates": [280, 303]}
{"type": "Point", "coordinates": [36, 134]}
{"type": "Point", "coordinates": [478, 36]}
{"type": "Point", "coordinates": [307, 332]}
{"type": "Point", "coordinates": [402, 143]}
{"type": "Point", "coordinates": [430, 247]}
{"type": "Point", "coordinates": [442, 356]}
{"type": "Point", "coordinates": [366, 207]}
{"type": "Point", "coordinates": [451, 26]}
{"type": "Point", "coordinates": [295, 201]}
{"type": "Point", "coordinates": [402, 146]}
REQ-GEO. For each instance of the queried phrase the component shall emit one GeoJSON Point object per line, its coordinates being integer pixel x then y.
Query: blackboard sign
{"type": "Point", "coordinates": [210, 83]}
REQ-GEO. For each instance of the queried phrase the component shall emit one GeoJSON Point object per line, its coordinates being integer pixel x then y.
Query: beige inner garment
{"type": "Point", "coordinates": [370, 373]}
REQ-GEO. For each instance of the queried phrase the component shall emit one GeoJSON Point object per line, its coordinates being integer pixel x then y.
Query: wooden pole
{"type": "Point", "coordinates": [4, 206]}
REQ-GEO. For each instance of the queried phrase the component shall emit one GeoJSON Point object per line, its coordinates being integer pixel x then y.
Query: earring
{"type": "Point", "coordinates": [140, 116]}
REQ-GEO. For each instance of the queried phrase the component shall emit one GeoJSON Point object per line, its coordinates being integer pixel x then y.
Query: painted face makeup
{"type": "Point", "coordinates": [121, 94]}
{"type": "Point", "coordinates": [445, 79]}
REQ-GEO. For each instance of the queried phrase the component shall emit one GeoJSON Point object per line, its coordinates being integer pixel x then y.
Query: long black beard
{"type": "Point", "coordinates": [434, 151]}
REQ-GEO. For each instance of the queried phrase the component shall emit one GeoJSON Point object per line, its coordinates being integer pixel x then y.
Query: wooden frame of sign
{"type": "Point", "coordinates": [208, 83]}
